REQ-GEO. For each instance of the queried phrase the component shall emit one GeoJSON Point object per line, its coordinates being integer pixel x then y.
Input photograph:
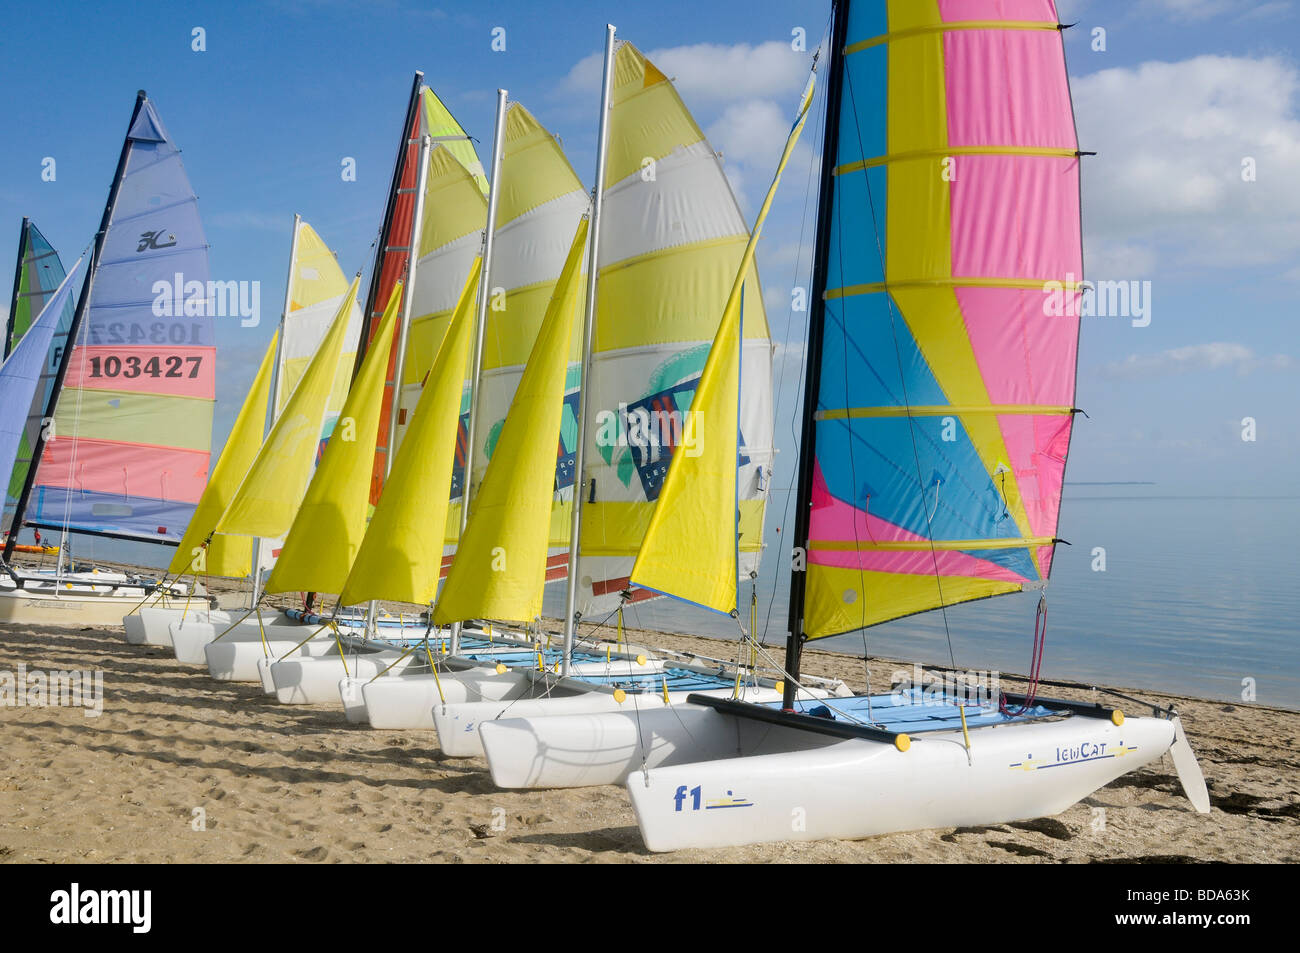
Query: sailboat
{"type": "Point", "coordinates": [662, 290]}
{"type": "Point", "coordinates": [922, 277]}
{"type": "Point", "coordinates": [314, 292]}
{"type": "Point", "coordinates": [37, 277]}
{"type": "Point", "coordinates": [125, 452]}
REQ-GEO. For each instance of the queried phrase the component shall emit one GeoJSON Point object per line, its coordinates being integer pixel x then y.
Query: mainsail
{"type": "Point", "coordinates": [39, 274]}
{"type": "Point", "coordinates": [671, 242]}
{"type": "Point", "coordinates": [128, 451]}
{"type": "Point", "coordinates": [690, 548]}
{"type": "Point", "coordinates": [941, 391]}
{"type": "Point", "coordinates": [22, 373]}
{"type": "Point", "coordinates": [456, 211]}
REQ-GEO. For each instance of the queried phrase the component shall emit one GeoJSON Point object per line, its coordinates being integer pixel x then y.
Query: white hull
{"type": "Point", "coordinates": [406, 703]}
{"type": "Point", "coordinates": [315, 681]}
{"type": "Point", "coordinates": [75, 604]}
{"type": "Point", "coordinates": [152, 624]}
{"type": "Point", "coordinates": [794, 785]}
{"type": "Point", "coordinates": [236, 660]}
{"type": "Point", "coordinates": [587, 719]}
{"type": "Point", "coordinates": [549, 743]}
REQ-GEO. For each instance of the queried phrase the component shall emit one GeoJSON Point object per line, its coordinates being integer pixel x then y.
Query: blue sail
{"type": "Point", "coordinates": [22, 373]}
{"type": "Point", "coordinates": [130, 450]}
{"type": "Point", "coordinates": [40, 273]}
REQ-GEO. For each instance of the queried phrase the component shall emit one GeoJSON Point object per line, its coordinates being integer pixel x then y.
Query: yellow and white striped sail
{"type": "Point", "coordinates": [689, 550]}
{"type": "Point", "coordinates": [671, 241]}
{"type": "Point", "coordinates": [317, 286]}
{"type": "Point", "coordinates": [499, 570]}
{"type": "Point", "coordinates": [270, 493]}
{"type": "Point", "coordinates": [541, 202]}
{"type": "Point", "coordinates": [451, 237]}
{"type": "Point", "coordinates": [400, 559]}
{"type": "Point", "coordinates": [327, 530]}
{"type": "Point", "coordinates": [228, 555]}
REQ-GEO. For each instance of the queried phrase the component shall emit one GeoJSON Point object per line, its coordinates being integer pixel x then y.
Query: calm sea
{"type": "Point", "coordinates": [1199, 597]}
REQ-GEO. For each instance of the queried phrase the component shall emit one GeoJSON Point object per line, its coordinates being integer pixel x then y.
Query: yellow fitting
{"type": "Point", "coordinates": [620, 696]}
{"type": "Point", "coordinates": [501, 668]}
{"type": "Point", "coordinates": [640, 660]}
{"type": "Point", "coordinates": [1117, 717]}
{"type": "Point", "coordinates": [780, 687]}
{"type": "Point", "coordinates": [902, 742]}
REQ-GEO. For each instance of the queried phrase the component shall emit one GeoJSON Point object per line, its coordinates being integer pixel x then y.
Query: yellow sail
{"type": "Point", "coordinates": [500, 566]}
{"type": "Point", "coordinates": [327, 531]}
{"type": "Point", "coordinates": [228, 555]}
{"type": "Point", "coordinates": [268, 498]}
{"type": "Point", "coordinates": [401, 554]}
{"type": "Point", "coordinates": [671, 240]}
{"type": "Point", "coordinates": [689, 549]}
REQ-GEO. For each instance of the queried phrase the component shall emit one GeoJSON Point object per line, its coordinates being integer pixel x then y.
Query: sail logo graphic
{"type": "Point", "coordinates": [696, 797]}
{"type": "Point", "coordinates": [75, 906]}
{"type": "Point", "coordinates": [151, 241]}
{"type": "Point", "coordinates": [650, 431]}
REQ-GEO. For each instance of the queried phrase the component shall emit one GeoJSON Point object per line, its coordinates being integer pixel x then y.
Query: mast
{"type": "Point", "coordinates": [382, 249]}
{"type": "Point", "coordinates": [816, 326]}
{"type": "Point", "coordinates": [588, 324]}
{"type": "Point", "coordinates": [18, 284]}
{"type": "Point", "coordinates": [277, 384]}
{"type": "Point", "coordinates": [484, 292]}
{"type": "Point", "coordinates": [83, 302]}
{"type": "Point", "coordinates": [404, 323]}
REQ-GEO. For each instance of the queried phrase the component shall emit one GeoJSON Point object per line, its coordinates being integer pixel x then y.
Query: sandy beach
{"type": "Point", "coordinates": [181, 768]}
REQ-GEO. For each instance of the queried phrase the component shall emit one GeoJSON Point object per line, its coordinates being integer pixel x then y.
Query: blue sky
{"type": "Point", "coordinates": [1184, 91]}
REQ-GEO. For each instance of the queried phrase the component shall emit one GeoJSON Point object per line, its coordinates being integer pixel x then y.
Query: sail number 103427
{"type": "Point", "coordinates": [132, 366]}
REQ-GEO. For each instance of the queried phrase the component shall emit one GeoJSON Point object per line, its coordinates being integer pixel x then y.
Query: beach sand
{"type": "Point", "coordinates": [277, 783]}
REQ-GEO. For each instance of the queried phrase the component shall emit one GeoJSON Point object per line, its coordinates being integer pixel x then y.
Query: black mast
{"type": "Point", "coordinates": [18, 284]}
{"type": "Point", "coordinates": [816, 326]}
{"type": "Point", "coordinates": [83, 303]}
{"type": "Point", "coordinates": [381, 249]}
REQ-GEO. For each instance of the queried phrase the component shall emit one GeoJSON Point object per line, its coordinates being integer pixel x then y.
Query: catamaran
{"type": "Point", "coordinates": [679, 266]}
{"type": "Point", "coordinates": [314, 293]}
{"type": "Point", "coordinates": [948, 204]}
{"type": "Point", "coordinates": [123, 446]}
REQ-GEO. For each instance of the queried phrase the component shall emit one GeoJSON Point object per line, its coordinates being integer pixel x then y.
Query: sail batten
{"type": "Point", "coordinates": [944, 385]}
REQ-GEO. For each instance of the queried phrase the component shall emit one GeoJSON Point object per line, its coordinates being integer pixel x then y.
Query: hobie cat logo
{"type": "Point", "coordinates": [150, 241]}
{"type": "Point", "coordinates": [77, 906]}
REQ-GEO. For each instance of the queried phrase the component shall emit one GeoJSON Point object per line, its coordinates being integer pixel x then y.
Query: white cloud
{"type": "Point", "coordinates": [1172, 139]}
{"type": "Point", "coordinates": [711, 73]}
{"type": "Point", "coordinates": [1219, 355]}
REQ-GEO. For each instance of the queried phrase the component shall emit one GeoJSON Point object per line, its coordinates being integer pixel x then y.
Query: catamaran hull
{"type": "Point", "coordinates": [589, 725]}
{"type": "Point", "coordinates": [41, 606]}
{"type": "Point", "coordinates": [237, 660]}
{"type": "Point", "coordinates": [567, 749]}
{"type": "Point", "coordinates": [859, 788]}
{"type": "Point", "coordinates": [315, 681]}
{"type": "Point", "coordinates": [152, 624]}
{"type": "Point", "coordinates": [405, 702]}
